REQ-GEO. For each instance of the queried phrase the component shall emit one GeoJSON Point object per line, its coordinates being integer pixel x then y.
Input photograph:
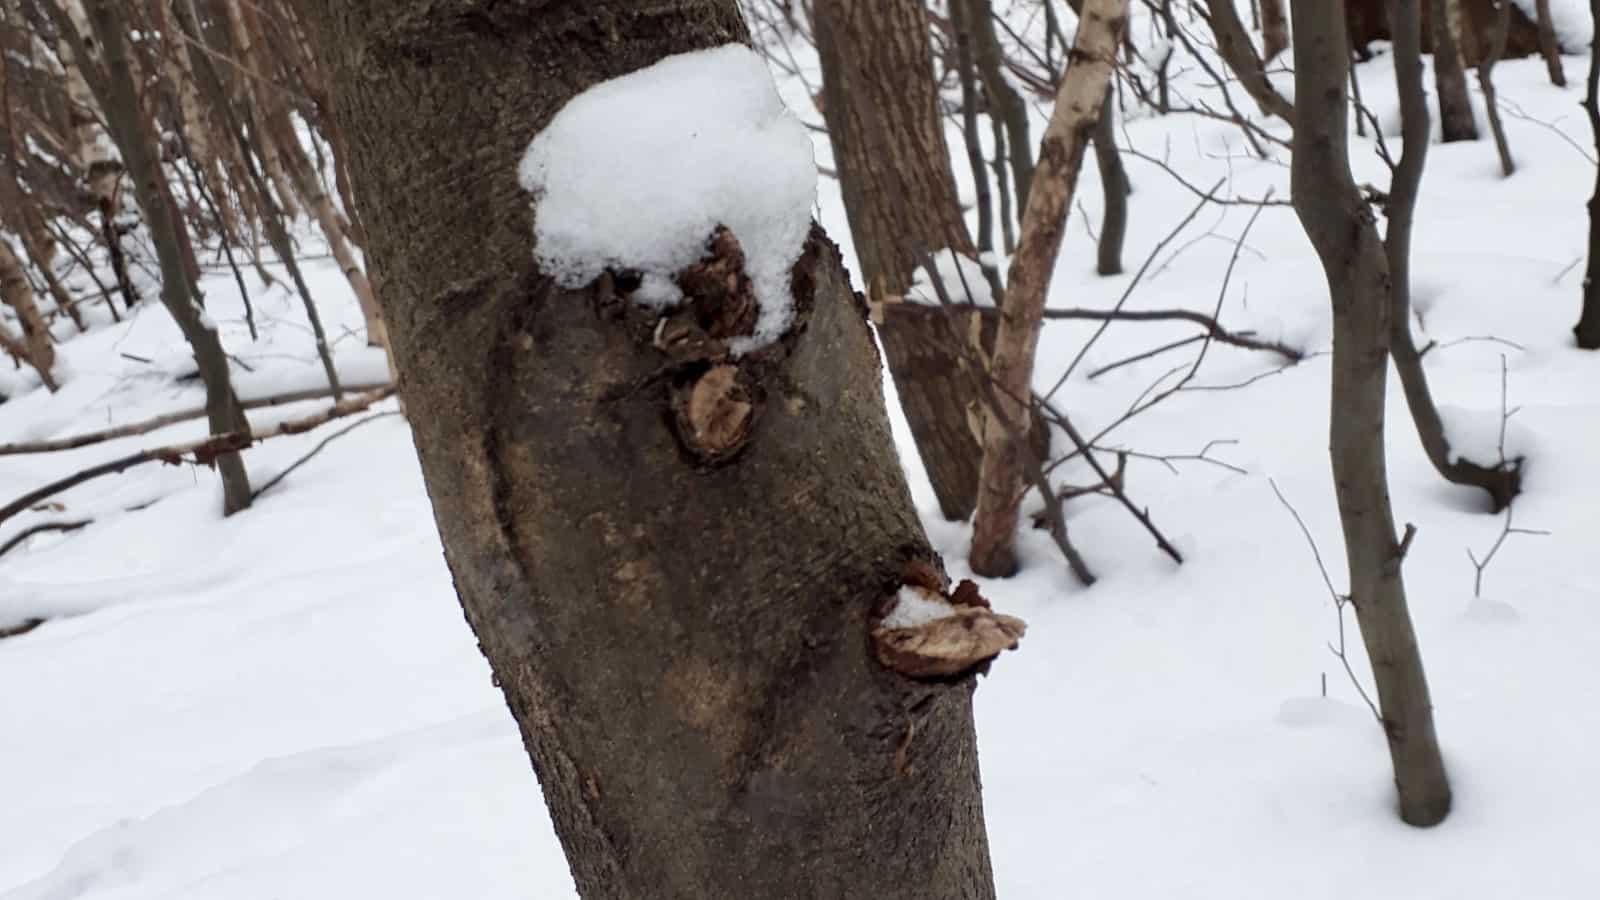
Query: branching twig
{"type": "Point", "coordinates": [273, 481]}
{"type": "Point", "coordinates": [1339, 600]}
{"type": "Point", "coordinates": [40, 528]}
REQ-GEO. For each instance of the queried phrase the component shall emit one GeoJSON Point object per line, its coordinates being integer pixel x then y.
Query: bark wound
{"type": "Point", "coordinates": [949, 647]}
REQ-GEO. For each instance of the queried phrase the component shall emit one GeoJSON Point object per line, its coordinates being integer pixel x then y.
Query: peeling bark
{"type": "Point", "coordinates": [684, 643]}
{"type": "Point", "coordinates": [35, 347]}
{"type": "Point", "coordinates": [1083, 90]}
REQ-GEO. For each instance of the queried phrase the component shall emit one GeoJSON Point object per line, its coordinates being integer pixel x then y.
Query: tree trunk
{"type": "Point", "coordinates": [1491, 104]}
{"type": "Point", "coordinates": [1274, 29]}
{"type": "Point", "coordinates": [1236, 50]}
{"type": "Point", "coordinates": [1449, 77]}
{"type": "Point", "coordinates": [1114, 184]}
{"type": "Point", "coordinates": [881, 105]}
{"type": "Point", "coordinates": [1501, 479]}
{"type": "Point", "coordinates": [115, 90]}
{"type": "Point", "coordinates": [15, 291]}
{"type": "Point", "coordinates": [1549, 47]}
{"type": "Point", "coordinates": [1083, 90]}
{"type": "Point", "coordinates": [1340, 225]}
{"type": "Point", "coordinates": [1587, 331]}
{"type": "Point", "coordinates": [1005, 103]}
{"type": "Point", "coordinates": [684, 645]}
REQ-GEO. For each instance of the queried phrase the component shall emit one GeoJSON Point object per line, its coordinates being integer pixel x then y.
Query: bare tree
{"type": "Point", "coordinates": [881, 105]}
{"type": "Point", "coordinates": [1549, 47]}
{"type": "Point", "coordinates": [1449, 76]}
{"type": "Point", "coordinates": [113, 84]}
{"type": "Point", "coordinates": [1491, 103]}
{"type": "Point", "coordinates": [707, 715]}
{"type": "Point", "coordinates": [1501, 480]}
{"type": "Point", "coordinates": [1340, 225]}
{"type": "Point", "coordinates": [1061, 151]}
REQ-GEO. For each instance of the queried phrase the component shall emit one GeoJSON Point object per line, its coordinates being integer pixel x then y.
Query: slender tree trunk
{"type": "Point", "coordinates": [259, 103]}
{"type": "Point", "coordinates": [1114, 184]}
{"type": "Point", "coordinates": [1449, 77]}
{"type": "Point", "coordinates": [1501, 480]}
{"type": "Point", "coordinates": [120, 101]}
{"type": "Point", "coordinates": [971, 138]}
{"type": "Point", "coordinates": [1340, 225]}
{"type": "Point", "coordinates": [1005, 103]}
{"type": "Point", "coordinates": [1549, 47]}
{"type": "Point", "coordinates": [1587, 330]}
{"type": "Point", "coordinates": [1274, 29]}
{"type": "Point", "coordinates": [1061, 151]}
{"type": "Point", "coordinates": [36, 344]}
{"type": "Point", "coordinates": [1236, 50]}
{"type": "Point", "coordinates": [314, 197]}
{"type": "Point", "coordinates": [881, 105]}
{"type": "Point", "coordinates": [1491, 55]}
{"type": "Point", "coordinates": [706, 715]}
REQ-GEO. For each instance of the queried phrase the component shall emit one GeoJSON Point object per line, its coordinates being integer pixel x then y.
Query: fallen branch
{"type": "Point", "coordinates": [133, 429]}
{"type": "Point", "coordinates": [202, 452]}
{"type": "Point", "coordinates": [40, 528]}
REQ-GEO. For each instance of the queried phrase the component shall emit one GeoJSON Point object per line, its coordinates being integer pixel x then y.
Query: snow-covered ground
{"type": "Point", "coordinates": [288, 703]}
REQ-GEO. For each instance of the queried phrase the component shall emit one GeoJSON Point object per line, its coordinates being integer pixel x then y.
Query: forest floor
{"type": "Point", "coordinates": [287, 703]}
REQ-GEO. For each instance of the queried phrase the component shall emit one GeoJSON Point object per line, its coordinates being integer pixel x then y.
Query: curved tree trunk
{"type": "Point", "coordinates": [125, 120]}
{"type": "Point", "coordinates": [1456, 121]}
{"type": "Point", "coordinates": [1005, 103]}
{"type": "Point", "coordinates": [1114, 184]}
{"type": "Point", "coordinates": [881, 105]}
{"type": "Point", "coordinates": [684, 645]}
{"type": "Point", "coordinates": [1338, 222]}
{"type": "Point", "coordinates": [1500, 479]}
{"type": "Point", "coordinates": [1587, 331]}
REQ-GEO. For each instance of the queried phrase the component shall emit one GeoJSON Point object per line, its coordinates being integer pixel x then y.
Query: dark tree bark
{"type": "Point", "coordinates": [1549, 47]}
{"type": "Point", "coordinates": [881, 105]}
{"type": "Point", "coordinates": [1114, 184]}
{"type": "Point", "coordinates": [1236, 50]}
{"type": "Point", "coordinates": [1005, 103]}
{"type": "Point", "coordinates": [1587, 331]}
{"type": "Point", "coordinates": [1491, 102]}
{"type": "Point", "coordinates": [1274, 29]}
{"type": "Point", "coordinates": [1341, 227]}
{"type": "Point", "coordinates": [114, 87]}
{"type": "Point", "coordinates": [971, 102]}
{"type": "Point", "coordinates": [1501, 479]}
{"type": "Point", "coordinates": [1456, 121]}
{"type": "Point", "coordinates": [684, 644]}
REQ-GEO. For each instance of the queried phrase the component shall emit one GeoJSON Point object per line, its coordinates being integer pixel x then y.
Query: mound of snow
{"type": "Point", "coordinates": [636, 173]}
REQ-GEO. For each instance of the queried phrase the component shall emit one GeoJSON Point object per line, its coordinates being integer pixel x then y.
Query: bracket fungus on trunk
{"type": "Point", "coordinates": [928, 631]}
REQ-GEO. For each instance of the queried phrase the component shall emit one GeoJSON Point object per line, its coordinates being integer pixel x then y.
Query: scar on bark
{"type": "Point", "coordinates": [715, 399]}
{"type": "Point", "coordinates": [965, 640]}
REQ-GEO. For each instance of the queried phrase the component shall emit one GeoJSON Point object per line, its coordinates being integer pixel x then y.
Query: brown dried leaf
{"type": "Point", "coordinates": [715, 414]}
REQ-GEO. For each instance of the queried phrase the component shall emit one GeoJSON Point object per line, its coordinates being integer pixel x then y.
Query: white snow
{"type": "Point", "coordinates": [1483, 436]}
{"type": "Point", "coordinates": [960, 276]}
{"type": "Point", "coordinates": [288, 704]}
{"type": "Point", "coordinates": [636, 172]}
{"type": "Point", "coordinates": [915, 607]}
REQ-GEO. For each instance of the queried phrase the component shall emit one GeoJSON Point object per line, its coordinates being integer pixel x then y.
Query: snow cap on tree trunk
{"type": "Point", "coordinates": [635, 173]}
